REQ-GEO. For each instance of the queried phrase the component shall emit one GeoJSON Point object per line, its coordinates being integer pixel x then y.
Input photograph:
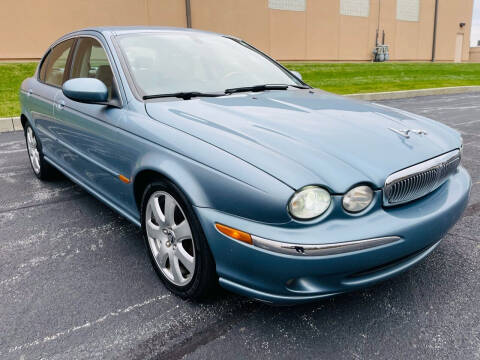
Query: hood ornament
{"type": "Point", "coordinates": [406, 133]}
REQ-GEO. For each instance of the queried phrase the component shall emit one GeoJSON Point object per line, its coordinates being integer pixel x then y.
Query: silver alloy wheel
{"type": "Point", "coordinates": [33, 151]}
{"type": "Point", "coordinates": [170, 238]}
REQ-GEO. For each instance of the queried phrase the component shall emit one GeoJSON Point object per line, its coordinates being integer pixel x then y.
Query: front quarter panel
{"type": "Point", "coordinates": [209, 176]}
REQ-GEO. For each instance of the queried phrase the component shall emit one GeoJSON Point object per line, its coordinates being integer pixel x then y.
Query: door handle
{"type": "Point", "coordinates": [60, 105]}
{"type": "Point", "coordinates": [29, 92]}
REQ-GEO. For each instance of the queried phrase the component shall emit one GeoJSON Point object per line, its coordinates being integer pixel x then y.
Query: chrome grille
{"type": "Point", "coordinates": [414, 182]}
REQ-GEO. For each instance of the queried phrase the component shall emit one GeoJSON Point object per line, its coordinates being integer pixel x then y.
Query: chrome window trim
{"type": "Point", "coordinates": [322, 249]}
{"type": "Point", "coordinates": [436, 162]}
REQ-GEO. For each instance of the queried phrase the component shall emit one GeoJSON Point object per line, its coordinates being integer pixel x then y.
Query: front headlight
{"type": "Point", "coordinates": [357, 199]}
{"type": "Point", "coordinates": [309, 202]}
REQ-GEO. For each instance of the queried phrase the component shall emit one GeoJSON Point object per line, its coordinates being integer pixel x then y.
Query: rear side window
{"type": "Point", "coordinates": [54, 67]}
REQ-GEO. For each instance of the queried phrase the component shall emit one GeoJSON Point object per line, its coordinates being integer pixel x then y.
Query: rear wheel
{"type": "Point", "coordinates": [40, 167]}
{"type": "Point", "coordinates": [175, 242]}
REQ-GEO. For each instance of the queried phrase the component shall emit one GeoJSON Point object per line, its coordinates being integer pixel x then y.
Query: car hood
{"type": "Point", "coordinates": [304, 137]}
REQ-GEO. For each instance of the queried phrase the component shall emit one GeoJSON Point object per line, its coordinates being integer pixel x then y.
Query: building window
{"type": "Point", "coordinates": [355, 7]}
{"type": "Point", "coordinates": [408, 10]}
{"type": "Point", "coordinates": [292, 5]}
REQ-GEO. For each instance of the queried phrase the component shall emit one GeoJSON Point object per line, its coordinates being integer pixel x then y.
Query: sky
{"type": "Point", "coordinates": [475, 23]}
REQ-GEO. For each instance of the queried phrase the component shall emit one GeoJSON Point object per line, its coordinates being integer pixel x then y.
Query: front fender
{"type": "Point", "coordinates": [207, 187]}
{"type": "Point", "coordinates": [208, 176]}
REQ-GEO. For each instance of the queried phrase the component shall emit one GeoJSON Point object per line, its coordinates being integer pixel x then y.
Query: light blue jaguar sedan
{"type": "Point", "coordinates": [237, 171]}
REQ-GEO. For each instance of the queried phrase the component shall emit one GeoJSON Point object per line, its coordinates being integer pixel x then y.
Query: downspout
{"type": "Point", "coordinates": [435, 20]}
{"type": "Point", "coordinates": [378, 22]}
{"type": "Point", "coordinates": [188, 11]}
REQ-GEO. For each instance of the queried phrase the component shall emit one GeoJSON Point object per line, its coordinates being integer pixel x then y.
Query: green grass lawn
{"type": "Point", "coordinates": [340, 78]}
{"type": "Point", "coordinates": [11, 77]}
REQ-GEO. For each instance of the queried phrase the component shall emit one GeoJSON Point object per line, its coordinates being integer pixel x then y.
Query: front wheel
{"type": "Point", "coordinates": [175, 242]}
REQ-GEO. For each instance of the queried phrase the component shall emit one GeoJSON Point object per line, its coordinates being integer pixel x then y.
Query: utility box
{"type": "Point", "coordinates": [381, 53]}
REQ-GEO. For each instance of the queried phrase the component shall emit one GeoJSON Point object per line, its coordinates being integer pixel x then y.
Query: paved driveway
{"type": "Point", "coordinates": [75, 283]}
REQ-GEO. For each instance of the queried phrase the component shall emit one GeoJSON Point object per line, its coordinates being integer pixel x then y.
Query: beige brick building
{"type": "Point", "coordinates": [313, 30]}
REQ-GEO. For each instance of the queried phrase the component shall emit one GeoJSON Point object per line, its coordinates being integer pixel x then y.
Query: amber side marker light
{"type": "Point", "coordinates": [124, 179]}
{"type": "Point", "coordinates": [234, 233]}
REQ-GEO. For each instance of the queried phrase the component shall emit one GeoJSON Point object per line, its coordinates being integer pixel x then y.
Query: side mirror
{"type": "Point", "coordinates": [296, 74]}
{"type": "Point", "coordinates": [86, 90]}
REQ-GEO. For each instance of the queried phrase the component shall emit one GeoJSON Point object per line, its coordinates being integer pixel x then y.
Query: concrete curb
{"type": "Point", "coordinates": [414, 93]}
{"type": "Point", "coordinates": [10, 124]}
{"type": "Point", "coordinates": [14, 124]}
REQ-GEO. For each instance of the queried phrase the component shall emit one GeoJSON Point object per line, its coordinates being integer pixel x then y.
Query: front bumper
{"type": "Point", "coordinates": [284, 279]}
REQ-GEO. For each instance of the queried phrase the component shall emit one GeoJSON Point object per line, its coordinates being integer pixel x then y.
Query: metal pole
{"type": "Point", "coordinates": [435, 20]}
{"type": "Point", "coordinates": [188, 11]}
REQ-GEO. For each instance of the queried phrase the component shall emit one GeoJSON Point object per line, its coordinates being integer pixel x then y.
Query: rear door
{"type": "Point", "coordinates": [90, 146]}
{"type": "Point", "coordinates": [51, 75]}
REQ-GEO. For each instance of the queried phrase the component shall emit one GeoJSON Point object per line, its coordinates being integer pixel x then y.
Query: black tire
{"type": "Point", "coordinates": [204, 281]}
{"type": "Point", "coordinates": [44, 171]}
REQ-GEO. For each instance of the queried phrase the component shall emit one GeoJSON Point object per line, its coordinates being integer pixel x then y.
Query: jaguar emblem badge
{"type": "Point", "coordinates": [406, 133]}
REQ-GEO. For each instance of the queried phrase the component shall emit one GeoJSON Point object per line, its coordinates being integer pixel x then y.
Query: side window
{"type": "Point", "coordinates": [54, 67]}
{"type": "Point", "coordinates": [90, 61]}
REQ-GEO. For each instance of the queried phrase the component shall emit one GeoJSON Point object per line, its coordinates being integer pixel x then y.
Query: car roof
{"type": "Point", "coordinates": [120, 30]}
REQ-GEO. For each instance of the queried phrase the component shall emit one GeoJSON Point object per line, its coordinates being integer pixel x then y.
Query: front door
{"type": "Point", "coordinates": [90, 145]}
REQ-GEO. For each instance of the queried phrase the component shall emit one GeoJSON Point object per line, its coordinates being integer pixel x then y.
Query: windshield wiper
{"type": "Point", "coordinates": [187, 95]}
{"type": "Point", "coordinates": [262, 88]}
{"type": "Point", "coordinates": [300, 86]}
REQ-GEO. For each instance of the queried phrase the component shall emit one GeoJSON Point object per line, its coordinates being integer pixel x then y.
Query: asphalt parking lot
{"type": "Point", "coordinates": [75, 283]}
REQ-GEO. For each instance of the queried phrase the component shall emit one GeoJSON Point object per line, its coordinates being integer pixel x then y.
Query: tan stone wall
{"type": "Point", "coordinates": [28, 27]}
{"type": "Point", "coordinates": [451, 14]}
{"type": "Point", "coordinates": [475, 54]}
{"type": "Point", "coordinates": [319, 33]}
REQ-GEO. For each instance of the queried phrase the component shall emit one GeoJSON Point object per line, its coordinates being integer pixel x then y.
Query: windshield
{"type": "Point", "coordinates": [171, 62]}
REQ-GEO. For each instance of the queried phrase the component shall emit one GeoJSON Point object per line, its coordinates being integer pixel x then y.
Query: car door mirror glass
{"type": "Point", "coordinates": [86, 90]}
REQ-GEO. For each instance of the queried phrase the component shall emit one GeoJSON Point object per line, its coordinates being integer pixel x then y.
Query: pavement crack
{"type": "Point", "coordinates": [87, 324]}
{"type": "Point", "coordinates": [192, 343]}
{"type": "Point", "coordinates": [162, 346]}
{"type": "Point", "coordinates": [73, 197]}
